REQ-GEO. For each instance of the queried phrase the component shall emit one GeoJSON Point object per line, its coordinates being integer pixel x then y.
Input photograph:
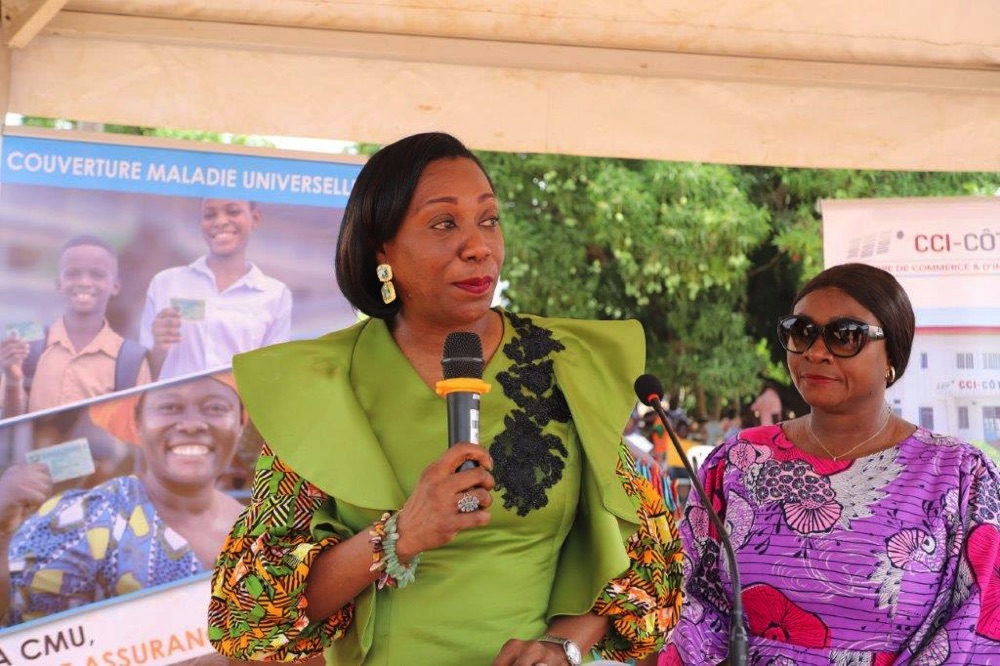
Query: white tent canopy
{"type": "Point", "coordinates": [855, 84]}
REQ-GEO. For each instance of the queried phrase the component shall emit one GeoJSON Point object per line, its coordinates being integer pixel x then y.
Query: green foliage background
{"type": "Point", "coordinates": [706, 256]}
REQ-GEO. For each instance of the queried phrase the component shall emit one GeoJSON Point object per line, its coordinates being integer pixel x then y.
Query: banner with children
{"type": "Point", "coordinates": [946, 254]}
{"type": "Point", "coordinates": [133, 271]}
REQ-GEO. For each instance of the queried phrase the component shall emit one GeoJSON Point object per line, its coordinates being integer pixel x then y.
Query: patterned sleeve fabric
{"type": "Point", "coordinates": [644, 603]}
{"type": "Point", "coordinates": [257, 608]}
{"type": "Point", "coordinates": [705, 599]}
{"type": "Point", "coordinates": [967, 622]}
{"type": "Point", "coordinates": [890, 558]}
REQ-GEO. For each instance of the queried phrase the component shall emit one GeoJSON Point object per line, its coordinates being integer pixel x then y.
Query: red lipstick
{"type": "Point", "coordinates": [476, 285]}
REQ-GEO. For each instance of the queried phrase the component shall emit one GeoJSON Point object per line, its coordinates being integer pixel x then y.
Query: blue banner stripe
{"type": "Point", "coordinates": [176, 172]}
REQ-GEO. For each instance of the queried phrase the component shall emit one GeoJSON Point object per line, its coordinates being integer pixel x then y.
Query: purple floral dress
{"type": "Point", "coordinates": [893, 558]}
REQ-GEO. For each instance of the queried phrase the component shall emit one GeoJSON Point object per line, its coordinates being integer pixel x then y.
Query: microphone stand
{"type": "Point", "coordinates": [737, 632]}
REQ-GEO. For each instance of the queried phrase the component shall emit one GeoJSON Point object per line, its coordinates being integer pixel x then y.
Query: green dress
{"type": "Point", "coordinates": [349, 414]}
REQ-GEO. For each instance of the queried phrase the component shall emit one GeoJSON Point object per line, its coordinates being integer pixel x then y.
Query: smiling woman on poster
{"type": "Point", "coordinates": [163, 524]}
{"type": "Point", "coordinates": [196, 317]}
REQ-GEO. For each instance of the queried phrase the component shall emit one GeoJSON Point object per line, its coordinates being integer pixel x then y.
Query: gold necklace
{"type": "Point", "coordinates": [812, 434]}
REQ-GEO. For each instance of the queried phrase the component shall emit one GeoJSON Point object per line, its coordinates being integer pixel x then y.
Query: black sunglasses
{"type": "Point", "coordinates": [844, 337]}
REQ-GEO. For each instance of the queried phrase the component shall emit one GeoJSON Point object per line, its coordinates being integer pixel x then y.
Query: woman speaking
{"type": "Point", "coordinates": [362, 539]}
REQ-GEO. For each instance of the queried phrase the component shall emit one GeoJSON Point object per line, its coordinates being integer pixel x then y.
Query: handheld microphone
{"type": "Point", "coordinates": [649, 390]}
{"type": "Point", "coordinates": [462, 364]}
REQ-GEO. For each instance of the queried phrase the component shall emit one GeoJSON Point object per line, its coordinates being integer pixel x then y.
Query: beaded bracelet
{"type": "Point", "coordinates": [382, 541]}
{"type": "Point", "coordinates": [401, 574]}
{"type": "Point", "coordinates": [376, 536]}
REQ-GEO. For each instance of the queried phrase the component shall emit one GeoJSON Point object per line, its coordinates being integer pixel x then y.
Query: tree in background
{"type": "Point", "coordinates": [665, 243]}
{"type": "Point", "coordinates": [793, 252]}
{"type": "Point", "coordinates": [707, 257]}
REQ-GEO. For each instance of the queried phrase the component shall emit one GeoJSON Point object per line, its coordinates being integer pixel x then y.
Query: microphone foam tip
{"type": "Point", "coordinates": [462, 356]}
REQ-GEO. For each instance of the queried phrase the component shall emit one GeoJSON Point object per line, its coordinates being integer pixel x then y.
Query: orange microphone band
{"type": "Point", "coordinates": [463, 384]}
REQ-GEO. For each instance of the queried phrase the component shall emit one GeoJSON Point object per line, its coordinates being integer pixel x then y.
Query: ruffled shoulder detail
{"type": "Point", "coordinates": [300, 398]}
{"type": "Point", "coordinates": [299, 395]}
{"type": "Point", "coordinates": [596, 374]}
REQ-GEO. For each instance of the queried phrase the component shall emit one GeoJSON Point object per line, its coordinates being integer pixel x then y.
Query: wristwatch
{"type": "Point", "coordinates": [571, 649]}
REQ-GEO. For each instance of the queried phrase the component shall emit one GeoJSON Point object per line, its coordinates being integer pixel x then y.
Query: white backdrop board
{"type": "Point", "coordinates": [946, 254]}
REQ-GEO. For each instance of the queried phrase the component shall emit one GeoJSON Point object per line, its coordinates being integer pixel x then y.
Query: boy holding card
{"type": "Point", "coordinates": [197, 316]}
{"type": "Point", "coordinates": [78, 357]}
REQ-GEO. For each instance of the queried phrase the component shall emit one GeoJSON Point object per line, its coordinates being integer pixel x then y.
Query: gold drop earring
{"type": "Point", "coordinates": [384, 273]}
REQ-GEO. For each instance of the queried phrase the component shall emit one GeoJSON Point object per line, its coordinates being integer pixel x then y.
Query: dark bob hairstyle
{"type": "Point", "coordinates": [375, 210]}
{"type": "Point", "coordinates": [879, 292]}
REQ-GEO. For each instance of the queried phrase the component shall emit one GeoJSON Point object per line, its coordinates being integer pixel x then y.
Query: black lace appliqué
{"type": "Point", "coordinates": [526, 461]}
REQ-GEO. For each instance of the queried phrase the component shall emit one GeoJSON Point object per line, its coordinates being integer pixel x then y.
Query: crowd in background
{"type": "Point", "coordinates": [656, 456]}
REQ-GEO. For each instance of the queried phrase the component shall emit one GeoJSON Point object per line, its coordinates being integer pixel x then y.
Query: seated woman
{"type": "Point", "coordinates": [860, 538]}
{"type": "Point", "coordinates": [166, 523]}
